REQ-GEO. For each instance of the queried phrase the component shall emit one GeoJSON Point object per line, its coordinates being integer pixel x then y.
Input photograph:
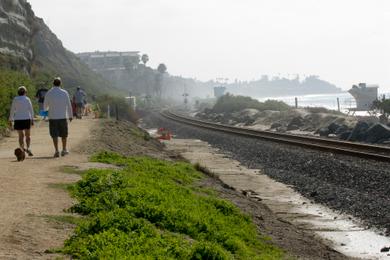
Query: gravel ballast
{"type": "Point", "coordinates": [351, 185]}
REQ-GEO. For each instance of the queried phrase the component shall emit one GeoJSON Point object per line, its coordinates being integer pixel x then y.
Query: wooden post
{"type": "Point", "coordinates": [296, 102]}
{"type": "Point", "coordinates": [338, 104]}
{"type": "Point", "coordinates": [108, 111]}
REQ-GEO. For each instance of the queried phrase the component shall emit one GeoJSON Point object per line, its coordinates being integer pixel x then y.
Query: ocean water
{"type": "Point", "coordinates": [328, 101]}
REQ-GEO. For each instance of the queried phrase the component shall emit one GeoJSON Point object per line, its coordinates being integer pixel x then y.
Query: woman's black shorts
{"type": "Point", "coordinates": [22, 124]}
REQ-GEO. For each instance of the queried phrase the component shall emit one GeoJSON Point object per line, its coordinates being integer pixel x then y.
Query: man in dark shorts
{"type": "Point", "coordinates": [57, 101]}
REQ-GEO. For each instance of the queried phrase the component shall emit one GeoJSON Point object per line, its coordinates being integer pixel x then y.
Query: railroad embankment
{"type": "Point", "coordinates": [277, 116]}
{"type": "Point", "coordinates": [306, 121]}
{"type": "Point", "coordinates": [345, 233]}
{"type": "Point", "coordinates": [355, 186]}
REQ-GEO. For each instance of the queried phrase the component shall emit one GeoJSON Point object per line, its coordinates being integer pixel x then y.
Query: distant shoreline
{"type": "Point", "coordinates": [327, 100]}
{"type": "Point", "coordinates": [288, 95]}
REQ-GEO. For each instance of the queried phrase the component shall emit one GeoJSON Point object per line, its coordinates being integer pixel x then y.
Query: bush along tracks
{"type": "Point", "coordinates": [154, 209]}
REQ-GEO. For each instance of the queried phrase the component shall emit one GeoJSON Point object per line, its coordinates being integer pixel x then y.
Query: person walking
{"type": "Point", "coordinates": [57, 102]}
{"type": "Point", "coordinates": [22, 115]}
{"type": "Point", "coordinates": [40, 96]}
{"type": "Point", "coordinates": [80, 98]}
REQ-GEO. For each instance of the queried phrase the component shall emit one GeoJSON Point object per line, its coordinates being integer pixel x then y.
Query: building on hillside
{"type": "Point", "coordinates": [365, 95]}
{"type": "Point", "coordinates": [110, 61]}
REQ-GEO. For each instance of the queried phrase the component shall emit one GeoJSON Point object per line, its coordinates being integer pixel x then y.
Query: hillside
{"type": "Point", "coordinates": [276, 86]}
{"type": "Point", "coordinates": [27, 44]}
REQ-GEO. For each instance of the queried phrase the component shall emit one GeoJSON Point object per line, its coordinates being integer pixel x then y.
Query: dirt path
{"type": "Point", "coordinates": [28, 194]}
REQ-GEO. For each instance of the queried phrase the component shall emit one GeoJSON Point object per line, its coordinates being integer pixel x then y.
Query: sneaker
{"type": "Point", "coordinates": [56, 154]}
{"type": "Point", "coordinates": [64, 152]}
{"type": "Point", "coordinates": [28, 151]}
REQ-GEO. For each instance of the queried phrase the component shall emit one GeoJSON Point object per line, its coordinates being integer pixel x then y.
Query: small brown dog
{"type": "Point", "coordinates": [20, 154]}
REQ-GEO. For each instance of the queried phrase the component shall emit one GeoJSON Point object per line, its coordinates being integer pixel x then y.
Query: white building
{"type": "Point", "coordinates": [365, 95]}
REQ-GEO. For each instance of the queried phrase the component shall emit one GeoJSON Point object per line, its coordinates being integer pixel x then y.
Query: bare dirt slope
{"type": "Point", "coordinates": [29, 195]}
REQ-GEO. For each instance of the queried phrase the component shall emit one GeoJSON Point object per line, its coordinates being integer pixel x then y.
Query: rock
{"type": "Point", "coordinates": [309, 129]}
{"type": "Point", "coordinates": [385, 249]}
{"type": "Point", "coordinates": [201, 115]}
{"type": "Point", "coordinates": [341, 129]}
{"type": "Point", "coordinates": [345, 135]}
{"type": "Point", "coordinates": [383, 119]}
{"type": "Point", "coordinates": [298, 121]}
{"type": "Point", "coordinates": [281, 129]}
{"type": "Point", "coordinates": [292, 127]}
{"type": "Point", "coordinates": [359, 132]}
{"type": "Point", "coordinates": [377, 132]}
{"type": "Point", "coordinates": [276, 125]}
{"type": "Point", "coordinates": [333, 127]}
{"type": "Point", "coordinates": [246, 116]}
{"type": "Point", "coordinates": [249, 112]}
{"type": "Point", "coordinates": [324, 132]}
{"type": "Point", "coordinates": [249, 121]}
{"type": "Point", "coordinates": [208, 110]}
{"type": "Point", "coordinates": [269, 113]}
{"type": "Point", "coordinates": [383, 141]}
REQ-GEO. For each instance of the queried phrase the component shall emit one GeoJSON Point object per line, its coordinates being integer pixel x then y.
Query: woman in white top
{"type": "Point", "coordinates": [22, 114]}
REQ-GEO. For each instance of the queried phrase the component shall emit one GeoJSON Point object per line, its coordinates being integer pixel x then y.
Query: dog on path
{"type": "Point", "coordinates": [20, 154]}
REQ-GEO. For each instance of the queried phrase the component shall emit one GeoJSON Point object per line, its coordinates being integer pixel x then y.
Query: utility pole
{"type": "Point", "coordinates": [185, 95]}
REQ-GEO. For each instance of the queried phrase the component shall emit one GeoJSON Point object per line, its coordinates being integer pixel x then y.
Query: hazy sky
{"type": "Point", "coordinates": [342, 41]}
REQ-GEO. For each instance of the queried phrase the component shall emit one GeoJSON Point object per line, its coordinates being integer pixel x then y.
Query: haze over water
{"type": "Point", "coordinates": [328, 101]}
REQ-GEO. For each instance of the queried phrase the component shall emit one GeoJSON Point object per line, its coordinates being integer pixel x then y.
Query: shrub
{"type": "Point", "coordinates": [230, 103]}
{"type": "Point", "coordinates": [9, 83]}
{"type": "Point", "coordinates": [317, 110]}
{"type": "Point", "coordinates": [125, 111]}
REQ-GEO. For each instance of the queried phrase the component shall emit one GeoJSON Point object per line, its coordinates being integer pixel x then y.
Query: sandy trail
{"type": "Point", "coordinates": [28, 196]}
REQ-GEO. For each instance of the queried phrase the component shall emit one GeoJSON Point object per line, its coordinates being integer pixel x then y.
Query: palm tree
{"type": "Point", "coordinates": [162, 69]}
{"type": "Point", "coordinates": [145, 59]}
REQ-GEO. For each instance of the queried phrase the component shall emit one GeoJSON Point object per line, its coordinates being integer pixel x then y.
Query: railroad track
{"type": "Point", "coordinates": [375, 152]}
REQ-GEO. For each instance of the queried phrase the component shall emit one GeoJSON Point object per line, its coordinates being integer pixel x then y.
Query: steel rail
{"type": "Point", "coordinates": [375, 152]}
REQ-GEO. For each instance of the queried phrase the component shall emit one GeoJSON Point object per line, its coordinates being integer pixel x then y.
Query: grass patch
{"type": "Point", "coordinates": [152, 209]}
{"type": "Point", "coordinates": [205, 170]}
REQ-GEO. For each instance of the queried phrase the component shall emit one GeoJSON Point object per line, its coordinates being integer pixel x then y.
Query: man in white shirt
{"type": "Point", "coordinates": [57, 101]}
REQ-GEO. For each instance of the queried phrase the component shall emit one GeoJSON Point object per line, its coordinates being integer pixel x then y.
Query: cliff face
{"type": "Point", "coordinates": [16, 31]}
{"type": "Point", "coordinates": [26, 43]}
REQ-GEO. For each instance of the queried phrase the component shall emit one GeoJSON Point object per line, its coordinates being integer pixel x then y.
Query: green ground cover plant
{"type": "Point", "coordinates": [153, 209]}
